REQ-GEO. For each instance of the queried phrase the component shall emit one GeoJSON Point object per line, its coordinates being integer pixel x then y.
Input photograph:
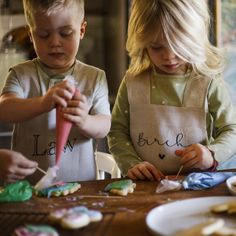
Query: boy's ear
{"type": "Point", "coordinates": [83, 29]}
{"type": "Point", "coordinates": [28, 32]}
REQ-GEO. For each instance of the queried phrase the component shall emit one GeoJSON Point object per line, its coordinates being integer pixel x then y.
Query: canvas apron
{"type": "Point", "coordinates": [158, 130]}
{"type": "Point", "coordinates": [36, 138]}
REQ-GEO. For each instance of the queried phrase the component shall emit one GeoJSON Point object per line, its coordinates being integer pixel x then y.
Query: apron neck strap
{"type": "Point", "coordinates": [196, 91]}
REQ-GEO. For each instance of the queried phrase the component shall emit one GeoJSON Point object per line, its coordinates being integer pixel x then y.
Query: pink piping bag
{"type": "Point", "coordinates": [63, 128]}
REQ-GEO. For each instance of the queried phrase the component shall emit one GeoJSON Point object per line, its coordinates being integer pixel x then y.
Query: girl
{"type": "Point", "coordinates": [173, 109]}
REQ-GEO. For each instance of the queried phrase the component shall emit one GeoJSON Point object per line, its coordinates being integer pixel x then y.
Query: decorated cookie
{"type": "Point", "coordinates": [75, 217]}
{"type": "Point", "coordinates": [35, 230]}
{"type": "Point", "coordinates": [94, 216]}
{"type": "Point", "coordinates": [58, 189]}
{"type": "Point", "coordinates": [75, 220]}
{"type": "Point", "coordinates": [121, 187]}
{"type": "Point", "coordinates": [56, 215]}
{"type": "Point", "coordinates": [16, 192]}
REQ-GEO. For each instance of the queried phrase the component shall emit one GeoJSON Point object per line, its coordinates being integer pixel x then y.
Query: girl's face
{"type": "Point", "coordinates": [165, 60]}
{"type": "Point", "coordinates": [56, 37]}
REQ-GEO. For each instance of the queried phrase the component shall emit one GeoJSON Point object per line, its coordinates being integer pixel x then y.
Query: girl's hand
{"type": "Point", "coordinates": [77, 110]}
{"type": "Point", "coordinates": [195, 156]}
{"type": "Point", "coordinates": [145, 170]}
{"type": "Point", "coordinates": [14, 166]}
{"type": "Point", "coordinates": [59, 94]}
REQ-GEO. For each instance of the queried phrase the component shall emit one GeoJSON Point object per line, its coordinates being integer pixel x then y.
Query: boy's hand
{"type": "Point", "coordinates": [77, 110]}
{"type": "Point", "coordinates": [195, 156]}
{"type": "Point", "coordinates": [14, 166]}
{"type": "Point", "coordinates": [59, 94]}
{"type": "Point", "coordinates": [145, 170]}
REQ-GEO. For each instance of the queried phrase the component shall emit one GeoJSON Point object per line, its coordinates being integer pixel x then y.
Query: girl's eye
{"type": "Point", "coordinates": [66, 33]}
{"type": "Point", "coordinates": [155, 47]}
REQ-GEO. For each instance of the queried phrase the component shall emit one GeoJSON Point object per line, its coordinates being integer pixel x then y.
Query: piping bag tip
{"type": "Point", "coordinates": [48, 179]}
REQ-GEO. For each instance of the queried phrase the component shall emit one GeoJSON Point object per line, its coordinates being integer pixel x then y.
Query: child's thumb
{"type": "Point", "coordinates": [178, 152]}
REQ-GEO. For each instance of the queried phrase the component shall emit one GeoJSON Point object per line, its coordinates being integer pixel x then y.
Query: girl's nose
{"type": "Point", "coordinates": [168, 54]}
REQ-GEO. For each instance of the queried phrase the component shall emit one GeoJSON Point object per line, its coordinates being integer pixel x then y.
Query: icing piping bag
{"type": "Point", "coordinates": [63, 127]}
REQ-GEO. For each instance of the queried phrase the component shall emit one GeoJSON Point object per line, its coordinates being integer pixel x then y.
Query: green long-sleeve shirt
{"type": "Point", "coordinates": [168, 90]}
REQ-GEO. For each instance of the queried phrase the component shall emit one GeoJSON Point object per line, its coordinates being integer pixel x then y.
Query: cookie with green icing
{"type": "Point", "coordinates": [121, 187]}
{"type": "Point", "coordinates": [58, 189]}
{"type": "Point", "coordinates": [35, 230]}
{"type": "Point", "coordinates": [16, 192]}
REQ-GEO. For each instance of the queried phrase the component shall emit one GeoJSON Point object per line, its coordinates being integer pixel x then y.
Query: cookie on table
{"type": "Point", "coordinates": [56, 216]}
{"type": "Point", "coordinates": [75, 220]}
{"type": "Point", "coordinates": [94, 215]}
{"type": "Point", "coordinates": [121, 187]}
{"type": "Point", "coordinates": [35, 230]}
{"type": "Point", "coordinates": [75, 217]}
{"type": "Point", "coordinates": [58, 189]}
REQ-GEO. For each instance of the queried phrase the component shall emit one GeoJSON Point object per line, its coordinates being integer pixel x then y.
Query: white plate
{"type": "Point", "coordinates": [169, 218]}
{"type": "Point", "coordinates": [229, 182]}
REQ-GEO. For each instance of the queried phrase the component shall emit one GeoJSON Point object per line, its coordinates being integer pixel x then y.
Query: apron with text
{"type": "Point", "coordinates": [35, 138]}
{"type": "Point", "coordinates": [158, 130]}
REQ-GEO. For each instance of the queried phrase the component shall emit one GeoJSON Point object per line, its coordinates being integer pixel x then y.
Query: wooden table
{"type": "Point", "coordinates": [121, 215]}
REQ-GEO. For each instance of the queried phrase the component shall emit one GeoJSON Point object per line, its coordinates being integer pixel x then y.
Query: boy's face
{"type": "Point", "coordinates": [56, 38]}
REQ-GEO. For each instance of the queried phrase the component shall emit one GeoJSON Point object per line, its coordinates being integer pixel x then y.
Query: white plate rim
{"type": "Point", "coordinates": [229, 182]}
{"type": "Point", "coordinates": [152, 213]}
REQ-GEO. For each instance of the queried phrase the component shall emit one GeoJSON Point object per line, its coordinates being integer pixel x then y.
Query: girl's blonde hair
{"type": "Point", "coordinates": [185, 26]}
{"type": "Point", "coordinates": [49, 7]}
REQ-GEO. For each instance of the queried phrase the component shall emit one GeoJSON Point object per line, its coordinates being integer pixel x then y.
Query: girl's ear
{"type": "Point", "coordinates": [83, 29]}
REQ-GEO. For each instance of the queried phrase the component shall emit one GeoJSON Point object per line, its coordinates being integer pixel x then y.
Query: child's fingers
{"type": "Point", "coordinates": [135, 172]}
{"type": "Point", "coordinates": [23, 172]}
{"type": "Point", "coordinates": [139, 174]}
{"type": "Point", "coordinates": [179, 152]}
{"type": "Point", "coordinates": [146, 173]}
{"type": "Point", "coordinates": [190, 163]}
{"type": "Point", "coordinates": [67, 85]}
{"type": "Point", "coordinates": [26, 163]}
{"type": "Point", "coordinates": [157, 174]}
{"type": "Point", "coordinates": [131, 175]}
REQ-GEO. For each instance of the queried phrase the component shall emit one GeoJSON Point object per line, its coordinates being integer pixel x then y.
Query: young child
{"type": "Point", "coordinates": [34, 88]}
{"type": "Point", "coordinates": [172, 108]}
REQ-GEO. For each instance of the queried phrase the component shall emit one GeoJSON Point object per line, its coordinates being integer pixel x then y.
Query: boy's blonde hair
{"type": "Point", "coordinates": [49, 7]}
{"type": "Point", "coordinates": [185, 26]}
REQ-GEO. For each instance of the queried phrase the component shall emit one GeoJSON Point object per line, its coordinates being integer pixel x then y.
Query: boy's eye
{"type": "Point", "coordinates": [66, 33]}
{"type": "Point", "coordinates": [42, 34]}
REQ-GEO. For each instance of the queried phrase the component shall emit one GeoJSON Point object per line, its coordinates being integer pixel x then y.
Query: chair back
{"type": "Point", "coordinates": [106, 164]}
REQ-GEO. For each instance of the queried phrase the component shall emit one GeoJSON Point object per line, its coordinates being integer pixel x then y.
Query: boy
{"type": "Point", "coordinates": [34, 88]}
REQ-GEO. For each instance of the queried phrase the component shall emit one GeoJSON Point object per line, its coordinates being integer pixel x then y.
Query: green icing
{"type": "Point", "coordinates": [40, 229]}
{"type": "Point", "coordinates": [16, 192]}
{"type": "Point", "coordinates": [121, 184]}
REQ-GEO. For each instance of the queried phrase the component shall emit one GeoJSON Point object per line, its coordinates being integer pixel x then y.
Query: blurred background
{"type": "Point", "coordinates": [104, 42]}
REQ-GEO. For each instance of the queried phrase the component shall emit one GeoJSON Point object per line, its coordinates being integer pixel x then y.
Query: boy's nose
{"type": "Point", "coordinates": [55, 40]}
